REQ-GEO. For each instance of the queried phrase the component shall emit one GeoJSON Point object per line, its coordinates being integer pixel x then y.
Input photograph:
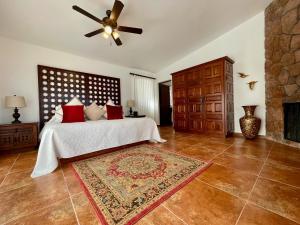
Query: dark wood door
{"type": "Point", "coordinates": [165, 109]}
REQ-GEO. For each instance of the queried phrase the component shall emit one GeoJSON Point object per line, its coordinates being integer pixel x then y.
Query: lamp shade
{"type": "Point", "coordinates": [130, 103]}
{"type": "Point", "coordinates": [15, 102]}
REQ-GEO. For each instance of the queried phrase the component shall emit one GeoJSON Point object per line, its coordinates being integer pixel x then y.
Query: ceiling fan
{"type": "Point", "coordinates": [109, 23]}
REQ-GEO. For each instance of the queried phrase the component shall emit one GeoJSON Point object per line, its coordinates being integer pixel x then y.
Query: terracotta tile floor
{"type": "Point", "coordinates": [251, 182]}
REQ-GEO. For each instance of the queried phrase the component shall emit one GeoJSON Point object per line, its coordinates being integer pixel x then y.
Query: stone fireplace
{"type": "Point", "coordinates": [282, 66]}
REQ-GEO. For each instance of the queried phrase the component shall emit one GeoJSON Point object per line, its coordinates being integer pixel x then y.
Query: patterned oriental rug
{"type": "Point", "coordinates": [125, 185]}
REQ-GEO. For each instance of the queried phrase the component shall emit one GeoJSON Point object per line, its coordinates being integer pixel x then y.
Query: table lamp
{"type": "Point", "coordinates": [15, 102]}
{"type": "Point", "coordinates": [130, 104]}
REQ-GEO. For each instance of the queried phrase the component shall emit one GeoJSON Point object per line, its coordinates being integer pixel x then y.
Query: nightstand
{"type": "Point", "coordinates": [18, 137]}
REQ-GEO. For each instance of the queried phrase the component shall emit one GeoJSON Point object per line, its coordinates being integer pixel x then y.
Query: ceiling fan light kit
{"type": "Point", "coordinates": [109, 23]}
{"type": "Point", "coordinates": [108, 29]}
{"type": "Point", "coordinates": [105, 35]}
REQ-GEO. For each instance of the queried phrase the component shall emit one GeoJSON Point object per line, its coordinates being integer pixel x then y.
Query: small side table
{"type": "Point", "coordinates": [18, 137]}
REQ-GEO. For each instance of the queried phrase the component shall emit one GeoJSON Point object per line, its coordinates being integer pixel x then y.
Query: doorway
{"type": "Point", "coordinates": [165, 103]}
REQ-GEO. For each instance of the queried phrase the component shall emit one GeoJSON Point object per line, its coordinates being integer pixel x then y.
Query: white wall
{"type": "Point", "coordinates": [245, 45]}
{"type": "Point", "coordinates": [18, 74]}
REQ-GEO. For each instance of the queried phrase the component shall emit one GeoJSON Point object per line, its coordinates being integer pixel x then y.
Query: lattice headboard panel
{"type": "Point", "coordinates": [59, 86]}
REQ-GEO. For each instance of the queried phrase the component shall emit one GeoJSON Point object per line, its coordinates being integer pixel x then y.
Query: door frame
{"type": "Point", "coordinates": [162, 82]}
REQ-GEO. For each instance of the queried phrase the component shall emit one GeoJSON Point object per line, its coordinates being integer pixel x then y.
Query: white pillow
{"type": "Point", "coordinates": [109, 102]}
{"type": "Point", "coordinates": [59, 111]}
{"type": "Point", "coordinates": [94, 112]}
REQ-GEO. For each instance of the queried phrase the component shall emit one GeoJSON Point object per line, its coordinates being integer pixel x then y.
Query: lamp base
{"type": "Point", "coordinates": [16, 115]}
{"type": "Point", "coordinates": [130, 111]}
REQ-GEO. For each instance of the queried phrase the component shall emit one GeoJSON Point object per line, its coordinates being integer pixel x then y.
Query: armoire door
{"type": "Point", "coordinates": [213, 90]}
{"type": "Point", "coordinates": [179, 102]}
{"type": "Point", "coordinates": [195, 95]}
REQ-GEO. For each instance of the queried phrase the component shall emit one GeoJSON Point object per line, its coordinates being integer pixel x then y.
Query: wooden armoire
{"type": "Point", "coordinates": [203, 98]}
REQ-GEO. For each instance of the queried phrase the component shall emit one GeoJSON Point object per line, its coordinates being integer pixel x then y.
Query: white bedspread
{"type": "Point", "coordinates": [66, 140]}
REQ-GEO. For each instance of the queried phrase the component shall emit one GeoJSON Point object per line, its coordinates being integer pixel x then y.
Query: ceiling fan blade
{"type": "Point", "coordinates": [93, 33]}
{"type": "Point", "coordinates": [83, 12]}
{"type": "Point", "coordinates": [116, 10]}
{"type": "Point", "coordinates": [130, 29]}
{"type": "Point", "coordinates": [117, 40]}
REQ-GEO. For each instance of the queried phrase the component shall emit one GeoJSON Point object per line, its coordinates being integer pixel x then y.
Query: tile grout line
{"type": "Point", "coordinates": [250, 193]}
{"type": "Point", "coordinates": [220, 153]}
{"type": "Point", "coordinates": [276, 213]}
{"type": "Point", "coordinates": [70, 196]}
{"type": "Point", "coordinates": [276, 181]}
{"type": "Point", "coordinates": [38, 210]}
{"type": "Point", "coordinates": [9, 169]}
{"type": "Point", "coordinates": [246, 199]}
{"type": "Point", "coordinates": [174, 214]}
{"type": "Point", "coordinates": [199, 179]}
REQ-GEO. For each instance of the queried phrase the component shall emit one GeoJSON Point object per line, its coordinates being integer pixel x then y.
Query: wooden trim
{"type": "Point", "coordinates": [101, 152]}
{"type": "Point", "coordinates": [134, 74]}
{"type": "Point", "coordinates": [202, 64]}
{"type": "Point", "coordinates": [164, 81]}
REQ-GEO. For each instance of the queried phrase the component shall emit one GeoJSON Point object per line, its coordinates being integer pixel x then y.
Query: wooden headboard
{"type": "Point", "coordinates": [59, 86]}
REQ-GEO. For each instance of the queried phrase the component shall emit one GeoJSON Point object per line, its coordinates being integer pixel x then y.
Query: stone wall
{"type": "Point", "coordinates": [282, 44]}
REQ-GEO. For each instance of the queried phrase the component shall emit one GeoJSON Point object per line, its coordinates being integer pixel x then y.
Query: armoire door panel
{"type": "Point", "coordinates": [195, 107]}
{"type": "Point", "coordinates": [214, 126]}
{"type": "Point", "coordinates": [218, 107]}
{"type": "Point", "coordinates": [196, 125]}
{"type": "Point", "coordinates": [213, 98]}
{"type": "Point", "coordinates": [180, 122]}
{"type": "Point", "coordinates": [194, 78]}
{"type": "Point", "coordinates": [214, 116]}
{"type": "Point", "coordinates": [213, 88]}
{"type": "Point", "coordinates": [195, 92]}
{"type": "Point", "coordinates": [213, 107]}
{"type": "Point", "coordinates": [179, 108]}
{"type": "Point", "coordinates": [178, 80]}
{"type": "Point", "coordinates": [213, 71]}
{"type": "Point", "coordinates": [193, 116]}
{"type": "Point", "coordinates": [179, 93]}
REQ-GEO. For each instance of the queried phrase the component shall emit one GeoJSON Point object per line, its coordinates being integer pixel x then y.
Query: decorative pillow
{"type": "Point", "coordinates": [73, 113]}
{"type": "Point", "coordinates": [94, 112]}
{"type": "Point", "coordinates": [74, 101]}
{"type": "Point", "coordinates": [114, 112]}
{"type": "Point", "coordinates": [109, 102]}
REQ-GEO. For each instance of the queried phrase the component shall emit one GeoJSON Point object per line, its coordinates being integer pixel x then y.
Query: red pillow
{"type": "Point", "coordinates": [114, 112]}
{"type": "Point", "coordinates": [73, 113]}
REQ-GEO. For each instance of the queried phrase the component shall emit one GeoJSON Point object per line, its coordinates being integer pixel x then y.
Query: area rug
{"type": "Point", "coordinates": [125, 185]}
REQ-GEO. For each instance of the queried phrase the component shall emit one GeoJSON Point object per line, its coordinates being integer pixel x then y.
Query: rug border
{"type": "Point", "coordinates": [151, 207]}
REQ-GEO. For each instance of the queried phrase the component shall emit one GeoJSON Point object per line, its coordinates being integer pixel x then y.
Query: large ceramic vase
{"type": "Point", "coordinates": [250, 124]}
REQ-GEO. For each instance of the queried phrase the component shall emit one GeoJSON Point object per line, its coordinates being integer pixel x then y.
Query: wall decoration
{"type": "Point", "coordinates": [252, 84]}
{"type": "Point", "coordinates": [242, 75]}
{"type": "Point", "coordinates": [59, 86]}
{"type": "Point", "coordinates": [250, 124]}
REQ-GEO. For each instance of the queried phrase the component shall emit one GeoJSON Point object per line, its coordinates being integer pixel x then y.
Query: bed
{"type": "Point", "coordinates": [67, 140]}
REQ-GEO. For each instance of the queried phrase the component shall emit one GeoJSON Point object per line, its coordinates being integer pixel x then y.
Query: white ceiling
{"type": "Point", "coordinates": [172, 28]}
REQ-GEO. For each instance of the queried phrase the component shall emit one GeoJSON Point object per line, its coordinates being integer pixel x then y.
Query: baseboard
{"type": "Point", "coordinates": [241, 135]}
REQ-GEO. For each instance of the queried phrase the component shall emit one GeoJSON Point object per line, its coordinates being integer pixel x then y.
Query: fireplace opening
{"type": "Point", "coordinates": [292, 121]}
